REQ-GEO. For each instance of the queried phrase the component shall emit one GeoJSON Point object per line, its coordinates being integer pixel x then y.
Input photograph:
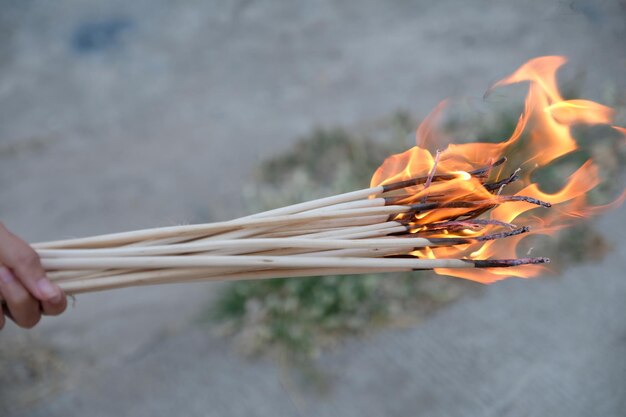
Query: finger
{"type": "Point", "coordinates": [54, 309]}
{"type": "Point", "coordinates": [23, 308]}
{"type": "Point", "coordinates": [2, 319]}
{"type": "Point", "coordinates": [24, 262]}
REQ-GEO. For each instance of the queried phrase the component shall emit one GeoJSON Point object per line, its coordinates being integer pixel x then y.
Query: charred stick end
{"type": "Point", "coordinates": [474, 223]}
{"type": "Point", "coordinates": [451, 240]}
{"type": "Point", "coordinates": [465, 240]}
{"type": "Point", "coordinates": [501, 235]}
{"type": "Point", "coordinates": [526, 199]}
{"type": "Point", "coordinates": [499, 162]}
{"type": "Point", "coordinates": [478, 203]}
{"type": "Point", "coordinates": [497, 185]}
{"type": "Point", "coordinates": [488, 168]}
{"type": "Point", "coordinates": [403, 184]}
{"type": "Point", "coordinates": [506, 263]}
{"type": "Point", "coordinates": [497, 263]}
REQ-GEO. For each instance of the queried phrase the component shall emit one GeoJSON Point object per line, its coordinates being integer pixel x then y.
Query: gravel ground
{"type": "Point", "coordinates": [102, 101]}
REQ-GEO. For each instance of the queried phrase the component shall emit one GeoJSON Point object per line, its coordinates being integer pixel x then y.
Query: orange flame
{"type": "Point", "coordinates": [542, 135]}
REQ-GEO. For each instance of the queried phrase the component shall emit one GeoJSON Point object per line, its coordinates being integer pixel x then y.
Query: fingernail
{"type": "Point", "coordinates": [6, 276]}
{"type": "Point", "coordinates": [56, 299]}
{"type": "Point", "coordinates": [47, 290]}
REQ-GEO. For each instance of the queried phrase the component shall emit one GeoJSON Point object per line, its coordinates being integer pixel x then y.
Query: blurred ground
{"type": "Point", "coordinates": [121, 115]}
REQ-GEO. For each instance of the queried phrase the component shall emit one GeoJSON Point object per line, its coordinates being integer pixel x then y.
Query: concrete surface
{"type": "Point", "coordinates": [119, 115]}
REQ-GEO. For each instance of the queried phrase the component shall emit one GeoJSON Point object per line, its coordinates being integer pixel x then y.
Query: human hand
{"type": "Point", "coordinates": [26, 290]}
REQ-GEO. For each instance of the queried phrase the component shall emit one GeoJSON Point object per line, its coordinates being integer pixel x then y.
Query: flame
{"type": "Point", "coordinates": [542, 135]}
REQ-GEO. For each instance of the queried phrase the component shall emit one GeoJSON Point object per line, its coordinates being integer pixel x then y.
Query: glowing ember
{"type": "Point", "coordinates": [542, 135]}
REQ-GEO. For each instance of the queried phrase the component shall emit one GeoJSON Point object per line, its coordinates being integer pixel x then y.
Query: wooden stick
{"type": "Point", "coordinates": [333, 223]}
{"type": "Point", "coordinates": [368, 192]}
{"type": "Point", "coordinates": [187, 275]}
{"type": "Point", "coordinates": [372, 253]}
{"type": "Point", "coordinates": [372, 202]}
{"type": "Point", "coordinates": [431, 174]}
{"type": "Point", "coordinates": [157, 262]}
{"type": "Point", "coordinates": [129, 237]}
{"type": "Point", "coordinates": [296, 231]}
{"type": "Point", "coordinates": [322, 202]}
{"type": "Point", "coordinates": [255, 244]}
{"type": "Point", "coordinates": [343, 232]}
{"type": "Point", "coordinates": [213, 228]}
{"type": "Point", "coordinates": [358, 232]}
{"type": "Point", "coordinates": [200, 275]}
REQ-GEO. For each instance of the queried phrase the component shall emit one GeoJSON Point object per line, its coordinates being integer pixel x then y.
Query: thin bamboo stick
{"type": "Point", "coordinates": [321, 202]}
{"type": "Point", "coordinates": [367, 192]}
{"type": "Point", "coordinates": [371, 202]}
{"type": "Point", "coordinates": [186, 275]}
{"type": "Point", "coordinates": [372, 253]}
{"type": "Point", "coordinates": [335, 234]}
{"type": "Point", "coordinates": [200, 275]}
{"type": "Point", "coordinates": [281, 231]}
{"type": "Point", "coordinates": [186, 230]}
{"type": "Point", "coordinates": [254, 245]}
{"type": "Point", "coordinates": [157, 262]}
{"type": "Point", "coordinates": [338, 231]}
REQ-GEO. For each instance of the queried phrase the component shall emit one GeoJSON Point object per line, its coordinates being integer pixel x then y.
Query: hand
{"type": "Point", "coordinates": [26, 290]}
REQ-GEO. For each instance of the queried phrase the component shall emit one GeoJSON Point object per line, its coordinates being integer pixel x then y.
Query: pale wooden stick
{"type": "Point", "coordinates": [285, 273]}
{"type": "Point", "coordinates": [199, 275]}
{"type": "Point", "coordinates": [342, 267]}
{"type": "Point", "coordinates": [300, 228]}
{"type": "Point", "coordinates": [371, 202]}
{"type": "Point", "coordinates": [350, 232]}
{"type": "Point", "coordinates": [186, 230]}
{"type": "Point", "coordinates": [367, 252]}
{"type": "Point", "coordinates": [54, 275]}
{"type": "Point", "coordinates": [371, 233]}
{"type": "Point", "coordinates": [321, 202]}
{"type": "Point", "coordinates": [362, 232]}
{"type": "Point", "coordinates": [214, 228]}
{"type": "Point", "coordinates": [356, 232]}
{"type": "Point", "coordinates": [222, 227]}
{"type": "Point", "coordinates": [226, 270]}
{"type": "Point", "coordinates": [275, 230]}
{"type": "Point", "coordinates": [335, 223]}
{"type": "Point", "coordinates": [252, 245]}
{"type": "Point", "coordinates": [157, 262]}
{"type": "Point", "coordinates": [264, 230]}
{"type": "Point", "coordinates": [58, 276]}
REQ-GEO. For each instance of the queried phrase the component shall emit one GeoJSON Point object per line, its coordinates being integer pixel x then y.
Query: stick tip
{"type": "Point", "coordinates": [506, 263]}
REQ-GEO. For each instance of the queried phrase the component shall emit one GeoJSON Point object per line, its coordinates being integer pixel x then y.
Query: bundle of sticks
{"type": "Point", "coordinates": [366, 231]}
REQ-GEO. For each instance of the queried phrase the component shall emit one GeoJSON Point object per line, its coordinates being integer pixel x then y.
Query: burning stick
{"type": "Point", "coordinates": [306, 267]}
{"type": "Point", "coordinates": [431, 174]}
{"type": "Point", "coordinates": [257, 245]}
{"type": "Point", "coordinates": [158, 262]}
{"type": "Point", "coordinates": [446, 212]}
{"type": "Point", "coordinates": [306, 210]}
{"type": "Point", "coordinates": [213, 228]}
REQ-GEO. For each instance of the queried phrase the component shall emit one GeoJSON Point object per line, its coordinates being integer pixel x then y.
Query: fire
{"type": "Point", "coordinates": [542, 135]}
